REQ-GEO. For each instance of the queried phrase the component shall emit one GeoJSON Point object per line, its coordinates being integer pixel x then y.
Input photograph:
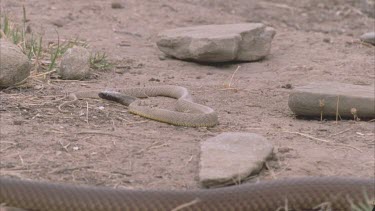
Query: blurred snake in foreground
{"type": "Point", "coordinates": [309, 193]}
{"type": "Point", "coordinates": [187, 112]}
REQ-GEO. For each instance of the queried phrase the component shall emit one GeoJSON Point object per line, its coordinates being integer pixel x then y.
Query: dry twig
{"type": "Point", "coordinates": [182, 206]}
{"type": "Point", "coordinates": [308, 136]}
{"type": "Point", "coordinates": [228, 85]}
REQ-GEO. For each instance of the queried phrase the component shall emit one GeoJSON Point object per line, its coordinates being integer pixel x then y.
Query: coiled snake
{"type": "Point", "coordinates": [187, 112]}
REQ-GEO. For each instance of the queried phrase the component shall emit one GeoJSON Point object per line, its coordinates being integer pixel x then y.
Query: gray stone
{"type": "Point", "coordinates": [367, 7]}
{"type": "Point", "coordinates": [218, 43]}
{"type": "Point", "coordinates": [368, 37]}
{"type": "Point", "coordinates": [75, 64]}
{"type": "Point", "coordinates": [231, 157]}
{"type": "Point", "coordinates": [325, 98]}
{"type": "Point", "coordinates": [14, 65]}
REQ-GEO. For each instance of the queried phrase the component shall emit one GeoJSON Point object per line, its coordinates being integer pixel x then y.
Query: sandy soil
{"type": "Point", "coordinates": [315, 41]}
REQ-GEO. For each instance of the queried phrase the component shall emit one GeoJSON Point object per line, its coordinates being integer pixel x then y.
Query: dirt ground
{"type": "Point", "coordinates": [100, 143]}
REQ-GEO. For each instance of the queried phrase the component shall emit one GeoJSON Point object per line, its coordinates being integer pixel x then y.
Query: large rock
{"type": "Point", "coordinates": [368, 37]}
{"type": "Point", "coordinates": [218, 43]}
{"type": "Point", "coordinates": [230, 157]}
{"type": "Point", "coordinates": [326, 98]}
{"type": "Point", "coordinates": [14, 65]}
{"type": "Point", "coordinates": [75, 64]}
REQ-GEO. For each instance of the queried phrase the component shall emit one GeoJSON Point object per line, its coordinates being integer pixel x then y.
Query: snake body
{"type": "Point", "coordinates": [187, 112]}
{"type": "Point", "coordinates": [339, 193]}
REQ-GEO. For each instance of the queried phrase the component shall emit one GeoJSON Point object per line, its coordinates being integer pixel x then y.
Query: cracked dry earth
{"type": "Point", "coordinates": [99, 143]}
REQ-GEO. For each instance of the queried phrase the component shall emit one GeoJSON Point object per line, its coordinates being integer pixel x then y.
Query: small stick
{"type": "Point", "coordinates": [65, 169]}
{"type": "Point", "coordinates": [157, 146]}
{"type": "Point", "coordinates": [19, 155]}
{"type": "Point", "coordinates": [231, 79]}
{"type": "Point", "coordinates": [43, 74]}
{"type": "Point", "coordinates": [272, 172]}
{"type": "Point", "coordinates": [283, 6]}
{"type": "Point", "coordinates": [137, 122]}
{"type": "Point", "coordinates": [87, 112]}
{"type": "Point", "coordinates": [348, 146]}
{"type": "Point", "coordinates": [68, 81]}
{"type": "Point", "coordinates": [190, 159]}
{"type": "Point", "coordinates": [229, 88]}
{"type": "Point", "coordinates": [321, 105]}
{"type": "Point", "coordinates": [182, 206]}
{"type": "Point", "coordinates": [8, 142]}
{"type": "Point", "coordinates": [98, 133]}
{"type": "Point", "coordinates": [21, 82]}
{"type": "Point", "coordinates": [354, 113]}
{"type": "Point", "coordinates": [308, 136]}
{"type": "Point", "coordinates": [100, 172]}
{"type": "Point", "coordinates": [337, 108]}
{"type": "Point", "coordinates": [340, 132]}
{"type": "Point", "coordinates": [5, 149]}
{"type": "Point", "coordinates": [154, 145]}
{"type": "Point", "coordinates": [64, 147]}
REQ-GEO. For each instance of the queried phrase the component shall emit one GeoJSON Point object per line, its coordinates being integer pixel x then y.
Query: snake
{"type": "Point", "coordinates": [187, 113]}
{"type": "Point", "coordinates": [305, 193]}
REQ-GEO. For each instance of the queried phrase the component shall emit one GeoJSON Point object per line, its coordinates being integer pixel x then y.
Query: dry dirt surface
{"type": "Point", "coordinates": [99, 143]}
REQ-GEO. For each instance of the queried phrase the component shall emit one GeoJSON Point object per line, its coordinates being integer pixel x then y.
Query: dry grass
{"type": "Point", "coordinates": [229, 84]}
{"type": "Point", "coordinates": [44, 58]}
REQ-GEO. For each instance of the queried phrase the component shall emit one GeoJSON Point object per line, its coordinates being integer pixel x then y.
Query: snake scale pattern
{"type": "Point", "coordinates": [333, 193]}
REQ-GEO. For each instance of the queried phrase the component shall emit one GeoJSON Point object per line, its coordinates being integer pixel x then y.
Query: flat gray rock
{"type": "Point", "coordinates": [15, 66]}
{"type": "Point", "coordinates": [231, 157]}
{"type": "Point", "coordinates": [368, 37]}
{"type": "Point", "coordinates": [326, 98]}
{"type": "Point", "coordinates": [218, 43]}
{"type": "Point", "coordinates": [75, 64]}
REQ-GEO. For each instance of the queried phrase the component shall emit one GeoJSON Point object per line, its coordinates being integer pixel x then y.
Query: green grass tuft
{"type": "Point", "coordinates": [99, 61]}
{"type": "Point", "coordinates": [44, 59]}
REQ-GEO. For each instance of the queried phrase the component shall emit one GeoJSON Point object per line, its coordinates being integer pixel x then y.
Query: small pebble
{"type": "Point", "coordinates": [117, 5]}
{"type": "Point", "coordinates": [284, 149]}
{"type": "Point", "coordinates": [59, 23]}
{"type": "Point", "coordinates": [18, 122]}
{"type": "Point", "coordinates": [154, 79]}
{"type": "Point", "coordinates": [162, 57]}
{"type": "Point", "coordinates": [28, 29]}
{"type": "Point", "coordinates": [287, 86]}
{"type": "Point", "coordinates": [327, 40]}
{"type": "Point", "coordinates": [122, 70]}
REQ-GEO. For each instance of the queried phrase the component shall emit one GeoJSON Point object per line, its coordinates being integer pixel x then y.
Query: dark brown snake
{"type": "Point", "coordinates": [340, 193]}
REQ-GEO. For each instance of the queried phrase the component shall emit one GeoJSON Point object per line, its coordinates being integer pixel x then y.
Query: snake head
{"type": "Point", "coordinates": [117, 97]}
